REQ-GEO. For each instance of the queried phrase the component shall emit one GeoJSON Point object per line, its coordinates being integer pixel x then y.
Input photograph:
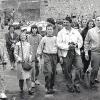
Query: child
{"type": "Point", "coordinates": [48, 48]}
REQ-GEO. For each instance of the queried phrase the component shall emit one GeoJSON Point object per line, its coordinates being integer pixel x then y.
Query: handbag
{"type": "Point", "coordinates": [25, 65]}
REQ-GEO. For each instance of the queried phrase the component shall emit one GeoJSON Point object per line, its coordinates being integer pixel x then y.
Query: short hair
{"type": "Point", "coordinates": [34, 26]}
{"type": "Point", "coordinates": [10, 27]}
{"type": "Point", "coordinates": [68, 19]}
{"type": "Point", "coordinates": [49, 25]}
{"type": "Point", "coordinates": [51, 20]}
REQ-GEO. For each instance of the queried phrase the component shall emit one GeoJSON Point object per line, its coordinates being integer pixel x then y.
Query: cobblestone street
{"type": "Point", "coordinates": [60, 87]}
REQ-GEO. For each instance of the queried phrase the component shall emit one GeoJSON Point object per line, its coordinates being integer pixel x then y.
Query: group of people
{"type": "Point", "coordinates": [74, 47]}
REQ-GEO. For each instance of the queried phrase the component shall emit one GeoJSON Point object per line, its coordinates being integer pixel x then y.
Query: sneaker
{"type": "Point", "coordinates": [97, 81]}
{"type": "Point", "coordinates": [33, 84]}
{"type": "Point", "coordinates": [30, 92]}
{"type": "Point", "coordinates": [70, 89]}
{"type": "Point", "coordinates": [93, 86]}
{"type": "Point", "coordinates": [52, 91]}
{"type": "Point", "coordinates": [3, 96]}
{"type": "Point", "coordinates": [37, 82]}
{"type": "Point", "coordinates": [12, 68]}
{"type": "Point", "coordinates": [77, 89]}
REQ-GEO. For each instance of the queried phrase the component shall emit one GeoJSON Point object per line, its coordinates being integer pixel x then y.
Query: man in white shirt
{"type": "Point", "coordinates": [69, 42]}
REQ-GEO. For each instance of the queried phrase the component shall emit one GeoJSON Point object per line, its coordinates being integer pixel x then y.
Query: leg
{"type": "Point", "coordinates": [36, 72]}
{"type": "Point", "coordinates": [33, 75]}
{"type": "Point", "coordinates": [28, 82]}
{"type": "Point", "coordinates": [54, 64]}
{"type": "Point", "coordinates": [78, 70]}
{"type": "Point", "coordinates": [47, 71]}
{"type": "Point", "coordinates": [67, 65]}
{"type": "Point", "coordinates": [21, 84]}
{"type": "Point", "coordinates": [95, 61]}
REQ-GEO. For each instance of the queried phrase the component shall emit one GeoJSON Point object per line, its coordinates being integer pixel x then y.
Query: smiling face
{"type": "Point", "coordinates": [84, 22]}
{"type": "Point", "coordinates": [66, 24]}
{"type": "Point", "coordinates": [91, 24]}
{"type": "Point", "coordinates": [49, 30]}
{"type": "Point", "coordinates": [98, 21]}
{"type": "Point", "coordinates": [34, 31]}
{"type": "Point", "coordinates": [23, 37]}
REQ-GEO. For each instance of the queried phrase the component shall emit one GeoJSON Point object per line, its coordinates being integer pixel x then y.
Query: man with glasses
{"type": "Point", "coordinates": [69, 42]}
{"type": "Point", "coordinates": [92, 41]}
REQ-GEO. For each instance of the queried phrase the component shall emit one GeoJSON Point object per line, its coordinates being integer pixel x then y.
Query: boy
{"type": "Point", "coordinates": [48, 48]}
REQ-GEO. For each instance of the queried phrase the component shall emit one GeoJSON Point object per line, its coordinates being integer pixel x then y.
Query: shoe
{"type": "Point", "coordinates": [37, 82]}
{"type": "Point", "coordinates": [30, 92]}
{"type": "Point", "coordinates": [77, 89]}
{"type": "Point", "coordinates": [97, 81]}
{"type": "Point", "coordinates": [70, 89]}
{"type": "Point", "coordinates": [33, 84]}
{"type": "Point", "coordinates": [12, 68]}
{"type": "Point", "coordinates": [52, 91]}
{"type": "Point", "coordinates": [93, 86]}
{"type": "Point", "coordinates": [21, 91]}
{"type": "Point", "coordinates": [3, 96]}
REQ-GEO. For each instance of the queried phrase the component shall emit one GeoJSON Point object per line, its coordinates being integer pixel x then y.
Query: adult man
{"type": "Point", "coordinates": [92, 41]}
{"type": "Point", "coordinates": [69, 42]}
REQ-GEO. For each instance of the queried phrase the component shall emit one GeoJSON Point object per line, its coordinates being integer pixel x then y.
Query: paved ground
{"type": "Point", "coordinates": [61, 90]}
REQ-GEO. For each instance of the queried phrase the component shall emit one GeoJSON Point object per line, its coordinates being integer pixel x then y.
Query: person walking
{"type": "Point", "coordinates": [11, 39]}
{"type": "Point", "coordinates": [86, 63]}
{"type": "Point", "coordinates": [48, 48]}
{"type": "Point", "coordinates": [34, 39]}
{"type": "Point", "coordinates": [92, 42]}
{"type": "Point", "coordinates": [69, 41]}
{"type": "Point", "coordinates": [23, 52]}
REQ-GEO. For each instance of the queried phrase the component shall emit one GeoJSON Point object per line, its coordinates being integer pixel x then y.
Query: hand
{"type": "Point", "coordinates": [13, 45]}
{"type": "Point", "coordinates": [61, 60]}
{"type": "Point", "coordinates": [38, 58]}
{"type": "Point", "coordinates": [87, 57]}
{"type": "Point", "coordinates": [19, 59]}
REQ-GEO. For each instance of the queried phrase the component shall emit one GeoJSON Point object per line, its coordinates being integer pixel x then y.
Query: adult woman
{"type": "Point", "coordinates": [83, 24]}
{"type": "Point", "coordinates": [23, 47]}
{"type": "Point", "coordinates": [11, 39]}
{"type": "Point", "coordinates": [90, 24]}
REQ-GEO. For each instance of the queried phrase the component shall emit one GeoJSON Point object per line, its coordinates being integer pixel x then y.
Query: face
{"type": "Point", "coordinates": [34, 30]}
{"type": "Point", "coordinates": [66, 23]}
{"type": "Point", "coordinates": [90, 25]}
{"type": "Point", "coordinates": [84, 22]}
{"type": "Point", "coordinates": [23, 37]}
{"type": "Point", "coordinates": [49, 30]}
{"type": "Point", "coordinates": [98, 21]}
{"type": "Point", "coordinates": [11, 29]}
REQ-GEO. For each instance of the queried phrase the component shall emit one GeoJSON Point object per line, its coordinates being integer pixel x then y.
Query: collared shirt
{"type": "Point", "coordinates": [92, 40]}
{"type": "Point", "coordinates": [65, 36]}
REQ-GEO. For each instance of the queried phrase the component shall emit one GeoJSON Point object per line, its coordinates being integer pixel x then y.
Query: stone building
{"type": "Point", "coordinates": [42, 9]}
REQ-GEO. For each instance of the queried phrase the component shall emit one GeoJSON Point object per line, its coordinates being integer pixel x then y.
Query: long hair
{"type": "Point", "coordinates": [84, 32]}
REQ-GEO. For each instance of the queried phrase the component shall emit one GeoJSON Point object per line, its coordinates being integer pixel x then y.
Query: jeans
{"type": "Point", "coordinates": [69, 61]}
